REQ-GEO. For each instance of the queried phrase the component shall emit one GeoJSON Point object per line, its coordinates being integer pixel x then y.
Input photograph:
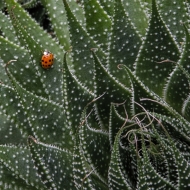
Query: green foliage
{"type": "Point", "coordinates": [112, 112]}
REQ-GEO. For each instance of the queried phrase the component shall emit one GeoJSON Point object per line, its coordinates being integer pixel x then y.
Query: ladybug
{"type": "Point", "coordinates": [47, 59]}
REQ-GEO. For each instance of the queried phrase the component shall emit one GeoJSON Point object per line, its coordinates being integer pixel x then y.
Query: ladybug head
{"type": "Point", "coordinates": [46, 52]}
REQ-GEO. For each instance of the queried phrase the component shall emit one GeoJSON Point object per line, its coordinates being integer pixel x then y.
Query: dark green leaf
{"type": "Point", "coordinates": [157, 46]}
{"type": "Point", "coordinates": [53, 165]}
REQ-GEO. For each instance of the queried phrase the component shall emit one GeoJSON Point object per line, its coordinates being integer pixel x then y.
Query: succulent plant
{"type": "Point", "coordinates": [112, 112]}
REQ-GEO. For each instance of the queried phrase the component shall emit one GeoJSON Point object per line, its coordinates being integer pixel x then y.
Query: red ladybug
{"type": "Point", "coordinates": [47, 59]}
